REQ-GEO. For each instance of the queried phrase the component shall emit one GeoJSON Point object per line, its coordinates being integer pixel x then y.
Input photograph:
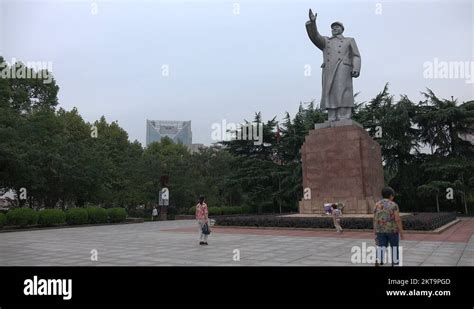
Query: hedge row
{"type": "Point", "coordinates": [3, 220]}
{"type": "Point", "coordinates": [22, 217]}
{"type": "Point", "coordinates": [427, 221]}
{"type": "Point", "coordinates": [139, 213]}
{"type": "Point", "coordinates": [420, 221]}
{"type": "Point", "coordinates": [96, 215]}
{"type": "Point", "coordinates": [50, 217]}
{"type": "Point", "coordinates": [77, 216]}
{"type": "Point", "coordinates": [116, 214]}
{"type": "Point", "coordinates": [226, 210]}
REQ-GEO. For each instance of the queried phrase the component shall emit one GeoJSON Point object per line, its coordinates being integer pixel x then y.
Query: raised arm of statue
{"type": "Point", "coordinates": [313, 33]}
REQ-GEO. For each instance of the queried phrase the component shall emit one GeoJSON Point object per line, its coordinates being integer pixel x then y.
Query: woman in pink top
{"type": "Point", "coordinates": [202, 219]}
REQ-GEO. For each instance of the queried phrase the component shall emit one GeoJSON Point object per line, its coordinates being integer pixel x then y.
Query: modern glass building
{"type": "Point", "coordinates": [177, 131]}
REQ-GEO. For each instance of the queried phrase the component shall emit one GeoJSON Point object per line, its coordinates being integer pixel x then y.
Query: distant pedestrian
{"type": "Point", "coordinates": [336, 217]}
{"type": "Point", "coordinates": [154, 214]}
{"type": "Point", "coordinates": [203, 221]}
{"type": "Point", "coordinates": [388, 228]}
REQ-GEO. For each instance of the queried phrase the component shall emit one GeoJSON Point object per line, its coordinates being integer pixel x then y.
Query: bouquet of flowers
{"type": "Point", "coordinates": [328, 208]}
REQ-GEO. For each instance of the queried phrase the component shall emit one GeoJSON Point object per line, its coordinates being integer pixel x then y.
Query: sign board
{"type": "Point", "coordinates": [164, 199]}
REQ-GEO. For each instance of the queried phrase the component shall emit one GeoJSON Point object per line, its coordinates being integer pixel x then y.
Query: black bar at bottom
{"type": "Point", "coordinates": [240, 285]}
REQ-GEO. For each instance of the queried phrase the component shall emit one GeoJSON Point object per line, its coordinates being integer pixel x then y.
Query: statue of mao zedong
{"type": "Point", "coordinates": [341, 62]}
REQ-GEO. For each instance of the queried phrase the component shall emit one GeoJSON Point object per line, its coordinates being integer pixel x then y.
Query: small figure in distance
{"type": "Point", "coordinates": [336, 216]}
{"type": "Point", "coordinates": [154, 214]}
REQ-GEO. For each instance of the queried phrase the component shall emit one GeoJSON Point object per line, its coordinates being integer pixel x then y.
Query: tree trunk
{"type": "Point", "coordinates": [465, 202]}
{"type": "Point", "coordinates": [279, 190]}
{"type": "Point", "coordinates": [163, 213]}
{"type": "Point", "coordinates": [437, 203]}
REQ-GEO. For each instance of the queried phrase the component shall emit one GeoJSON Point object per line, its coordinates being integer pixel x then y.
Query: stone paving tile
{"type": "Point", "coordinates": [466, 262]}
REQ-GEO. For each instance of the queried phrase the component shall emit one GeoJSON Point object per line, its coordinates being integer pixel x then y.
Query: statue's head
{"type": "Point", "coordinates": [337, 28]}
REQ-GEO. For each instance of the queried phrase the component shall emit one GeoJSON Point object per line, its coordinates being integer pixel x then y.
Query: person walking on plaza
{"type": "Point", "coordinates": [388, 228]}
{"type": "Point", "coordinates": [154, 214]}
{"type": "Point", "coordinates": [336, 216]}
{"type": "Point", "coordinates": [202, 218]}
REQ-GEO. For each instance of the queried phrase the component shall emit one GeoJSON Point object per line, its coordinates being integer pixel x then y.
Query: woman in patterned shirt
{"type": "Point", "coordinates": [388, 229]}
{"type": "Point", "coordinates": [202, 219]}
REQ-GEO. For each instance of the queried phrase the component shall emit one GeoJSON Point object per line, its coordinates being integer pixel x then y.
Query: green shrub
{"type": "Point", "coordinates": [96, 215]}
{"type": "Point", "coordinates": [247, 209]}
{"type": "Point", "coordinates": [22, 217]}
{"type": "Point", "coordinates": [225, 210]}
{"type": "Point", "coordinates": [3, 220]}
{"type": "Point", "coordinates": [215, 211]}
{"type": "Point", "coordinates": [171, 213]}
{"type": "Point", "coordinates": [268, 207]}
{"type": "Point", "coordinates": [117, 214]}
{"type": "Point", "coordinates": [470, 204]}
{"type": "Point", "coordinates": [192, 210]}
{"type": "Point", "coordinates": [182, 211]}
{"type": "Point", "coordinates": [232, 210]}
{"type": "Point", "coordinates": [50, 217]}
{"type": "Point", "coordinates": [77, 216]}
{"type": "Point", "coordinates": [140, 213]}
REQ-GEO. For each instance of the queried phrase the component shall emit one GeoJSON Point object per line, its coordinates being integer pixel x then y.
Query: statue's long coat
{"type": "Point", "coordinates": [341, 57]}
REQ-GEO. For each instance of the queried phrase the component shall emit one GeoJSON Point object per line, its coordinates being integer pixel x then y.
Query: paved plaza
{"type": "Point", "coordinates": [174, 243]}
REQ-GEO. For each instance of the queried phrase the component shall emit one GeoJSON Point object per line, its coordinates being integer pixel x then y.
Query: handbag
{"type": "Point", "coordinates": [205, 229]}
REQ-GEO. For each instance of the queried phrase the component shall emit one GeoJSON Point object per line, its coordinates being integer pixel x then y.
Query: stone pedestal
{"type": "Point", "coordinates": [341, 163]}
{"type": "Point", "coordinates": [163, 213]}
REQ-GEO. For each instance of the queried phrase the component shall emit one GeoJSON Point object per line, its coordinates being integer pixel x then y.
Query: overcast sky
{"type": "Point", "coordinates": [228, 59]}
